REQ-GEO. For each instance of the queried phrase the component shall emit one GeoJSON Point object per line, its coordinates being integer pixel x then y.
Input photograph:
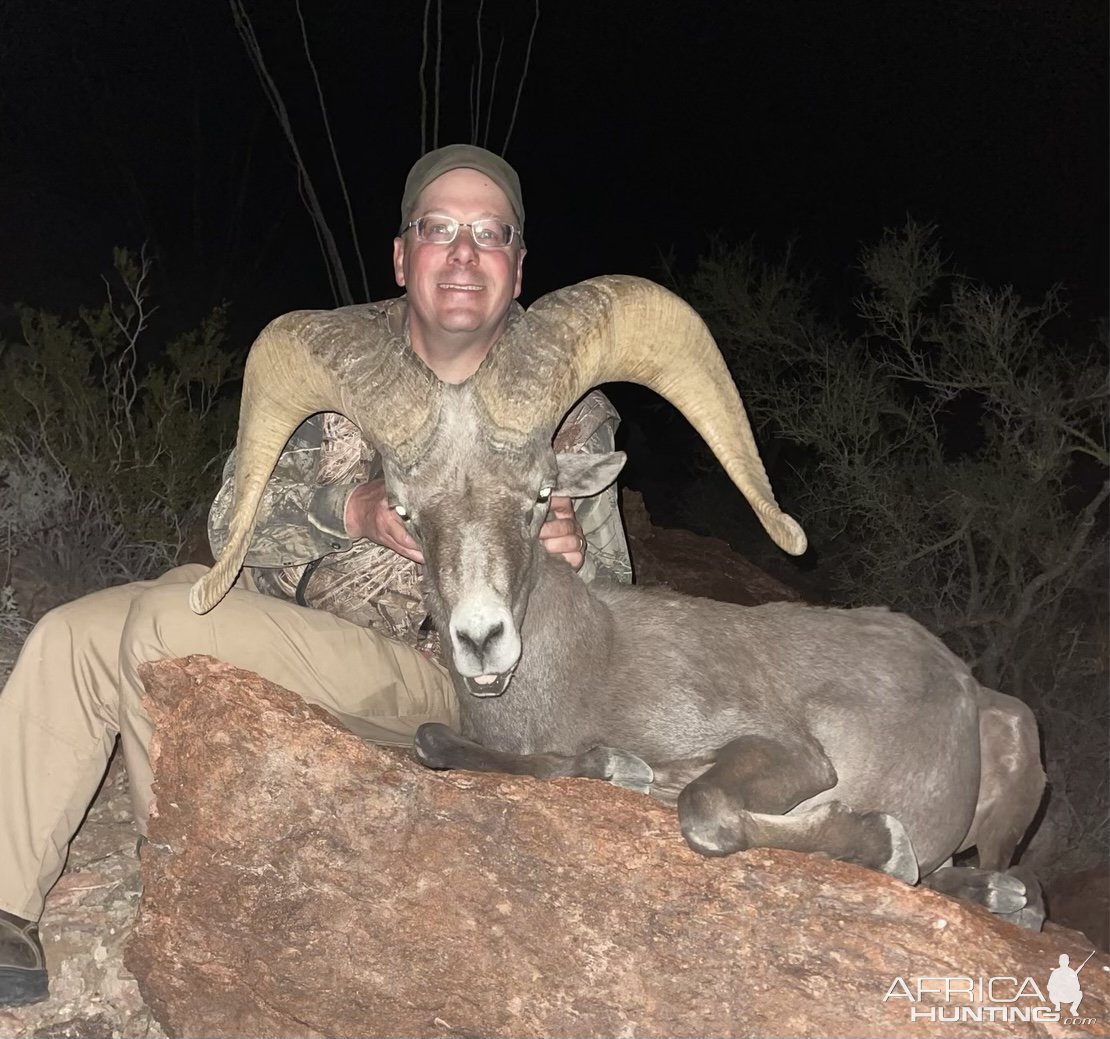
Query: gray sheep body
{"type": "Point", "coordinates": [666, 676]}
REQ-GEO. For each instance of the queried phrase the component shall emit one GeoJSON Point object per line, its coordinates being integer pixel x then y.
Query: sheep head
{"type": "Point", "coordinates": [607, 329]}
{"type": "Point", "coordinates": [475, 507]}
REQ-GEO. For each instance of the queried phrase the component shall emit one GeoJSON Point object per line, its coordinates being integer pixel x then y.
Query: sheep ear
{"type": "Point", "coordinates": [584, 475]}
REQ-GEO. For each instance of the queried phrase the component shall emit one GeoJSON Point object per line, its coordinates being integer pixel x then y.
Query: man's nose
{"type": "Point", "coordinates": [463, 249]}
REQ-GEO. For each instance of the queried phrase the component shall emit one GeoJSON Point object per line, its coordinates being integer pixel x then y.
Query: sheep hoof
{"type": "Point", "coordinates": [619, 767]}
{"type": "Point", "coordinates": [1003, 893]}
{"type": "Point", "coordinates": [432, 744]}
{"type": "Point", "coordinates": [1031, 915]}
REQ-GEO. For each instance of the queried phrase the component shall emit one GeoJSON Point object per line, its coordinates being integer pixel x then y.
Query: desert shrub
{"type": "Point", "coordinates": [948, 459]}
{"type": "Point", "coordinates": [109, 442]}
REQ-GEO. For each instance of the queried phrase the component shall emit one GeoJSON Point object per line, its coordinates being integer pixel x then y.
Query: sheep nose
{"type": "Point", "coordinates": [480, 644]}
{"type": "Point", "coordinates": [484, 638]}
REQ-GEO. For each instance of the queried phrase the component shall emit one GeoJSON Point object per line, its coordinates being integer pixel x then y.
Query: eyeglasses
{"type": "Point", "coordinates": [442, 230]}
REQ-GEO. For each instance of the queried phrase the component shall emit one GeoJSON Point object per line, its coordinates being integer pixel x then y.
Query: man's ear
{"type": "Point", "coordinates": [519, 273]}
{"type": "Point", "coordinates": [399, 261]}
{"type": "Point", "coordinates": [584, 475]}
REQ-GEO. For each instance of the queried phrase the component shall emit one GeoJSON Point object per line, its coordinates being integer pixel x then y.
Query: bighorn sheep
{"type": "Point", "coordinates": [853, 733]}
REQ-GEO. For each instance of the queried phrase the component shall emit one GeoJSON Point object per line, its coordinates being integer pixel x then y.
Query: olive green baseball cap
{"type": "Point", "coordinates": [461, 156]}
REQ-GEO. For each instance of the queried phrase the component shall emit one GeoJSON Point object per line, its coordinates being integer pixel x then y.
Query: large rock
{"type": "Point", "coordinates": [299, 882]}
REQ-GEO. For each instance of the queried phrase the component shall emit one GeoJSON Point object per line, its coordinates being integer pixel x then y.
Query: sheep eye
{"type": "Point", "coordinates": [544, 496]}
{"type": "Point", "coordinates": [401, 511]}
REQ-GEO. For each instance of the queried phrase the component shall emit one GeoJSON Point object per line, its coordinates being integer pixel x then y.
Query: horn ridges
{"type": "Point", "coordinates": [619, 328]}
{"type": "Point", "coordinates": [346, 361]}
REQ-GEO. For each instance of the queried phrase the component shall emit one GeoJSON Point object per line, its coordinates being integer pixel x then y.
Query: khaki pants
{"type": "Point", "coordinates": [75, 686]}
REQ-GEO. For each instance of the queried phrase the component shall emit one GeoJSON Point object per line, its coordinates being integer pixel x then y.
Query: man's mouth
{"type": "Point", "coordinates": [451, 286]}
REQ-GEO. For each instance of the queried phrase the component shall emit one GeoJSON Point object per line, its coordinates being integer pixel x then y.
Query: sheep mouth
{"type": "Point", "coordinates": [484, 686]}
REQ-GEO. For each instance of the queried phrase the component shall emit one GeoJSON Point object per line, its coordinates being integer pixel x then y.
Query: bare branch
{"type": "Point", "coordinates": [492, 91]}
{"type": "Point", "coordinates": [319, 241]}
{"type": "Point", "coordinates": [959, 535]}
{"type": "Point", "coordinates": [1067, 560]}
{"type": "Point", "coordinates": [476, 101]}
{"type": "Point", "coordinates": [324, 234]}
{"type": "Point", "coordinates": [334, 155]}
{"type": "Point", "coordinates": [473, 109]}
{"type": "Point", "coordinates": [439, 69]}
{"type": "Point", "coordinates": [423, 81]}
{"type": "Point", "coordinates": [523, 77]}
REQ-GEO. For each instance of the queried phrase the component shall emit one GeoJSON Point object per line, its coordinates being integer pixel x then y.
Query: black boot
{"type": "Point", "coordinates": [22, 964]}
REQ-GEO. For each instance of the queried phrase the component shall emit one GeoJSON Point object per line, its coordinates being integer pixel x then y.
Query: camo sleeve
{"type": "Point", "coordinates": [591, 427]}
{"type": "Point", "coordinates": [301, 516]}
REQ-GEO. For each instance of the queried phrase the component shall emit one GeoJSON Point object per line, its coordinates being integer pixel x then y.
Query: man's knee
{"type": "Point", "coordinates": [96, 621]}
{"type": "Point", "coordinates": [244, 629]}
{"type": "Point", "coordinates": [160, 623]}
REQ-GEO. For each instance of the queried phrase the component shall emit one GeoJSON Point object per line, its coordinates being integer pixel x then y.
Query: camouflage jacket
{"type": "Point", "coordinates": [300, 542]}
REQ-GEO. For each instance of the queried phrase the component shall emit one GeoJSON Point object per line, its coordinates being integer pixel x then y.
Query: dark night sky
{"type": "Point", "coordinates": [642, 127]}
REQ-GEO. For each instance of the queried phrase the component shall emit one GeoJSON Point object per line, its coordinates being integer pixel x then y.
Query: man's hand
{"type": "Point", "coordinates": [368, 515]}
{"type": "Point", "coordinates": [561, 533]}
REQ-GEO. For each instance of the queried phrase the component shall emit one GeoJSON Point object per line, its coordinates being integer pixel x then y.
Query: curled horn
{"type": "Point", "coordinates": [624, 329]}
{"type": "Point", "coordinates": [346, 361]}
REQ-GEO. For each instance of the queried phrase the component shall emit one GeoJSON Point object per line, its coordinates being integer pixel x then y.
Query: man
{"type": "Point", "coordinates": [329, 604]}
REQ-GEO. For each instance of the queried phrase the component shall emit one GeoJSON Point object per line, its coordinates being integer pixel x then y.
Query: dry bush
{"type": "Point", "coordinates": [105, 459]}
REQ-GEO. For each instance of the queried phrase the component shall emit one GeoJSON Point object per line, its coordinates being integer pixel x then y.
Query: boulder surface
{"type": "Point", "coordinates": [299, 882]}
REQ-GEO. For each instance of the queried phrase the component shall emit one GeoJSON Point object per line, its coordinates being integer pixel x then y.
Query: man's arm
{"type": "Point", "coordinates": [302, 516]}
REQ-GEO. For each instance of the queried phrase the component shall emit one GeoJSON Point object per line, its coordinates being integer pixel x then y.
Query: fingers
{"type": "Point", "coordinates": [561, 533]}
{"type": "Point", "coordinates": [561, 508]}
{"type": "Point", "coordinates": [405, 545]}
{"type": "Point", "coordinates": [408, 552]}
{"type": "Point", "coordinates": [369, 515]}
{"type": "Point", "coordinates": [395, 535]}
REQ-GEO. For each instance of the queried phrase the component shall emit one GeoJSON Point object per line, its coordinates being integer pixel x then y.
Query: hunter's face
{"type": "Point", "coordinates": [459, 290]}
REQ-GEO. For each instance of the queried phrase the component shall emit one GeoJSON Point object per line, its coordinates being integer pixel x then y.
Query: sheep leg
{"type": "Point", "coordinates": [740, 801]}
{"type": "Point", "coordinates": [1012, 782]}
{"type": "Point", "coordinates": [440, 747]}
{"type": "Point", "coordinates": [1011, 788]}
